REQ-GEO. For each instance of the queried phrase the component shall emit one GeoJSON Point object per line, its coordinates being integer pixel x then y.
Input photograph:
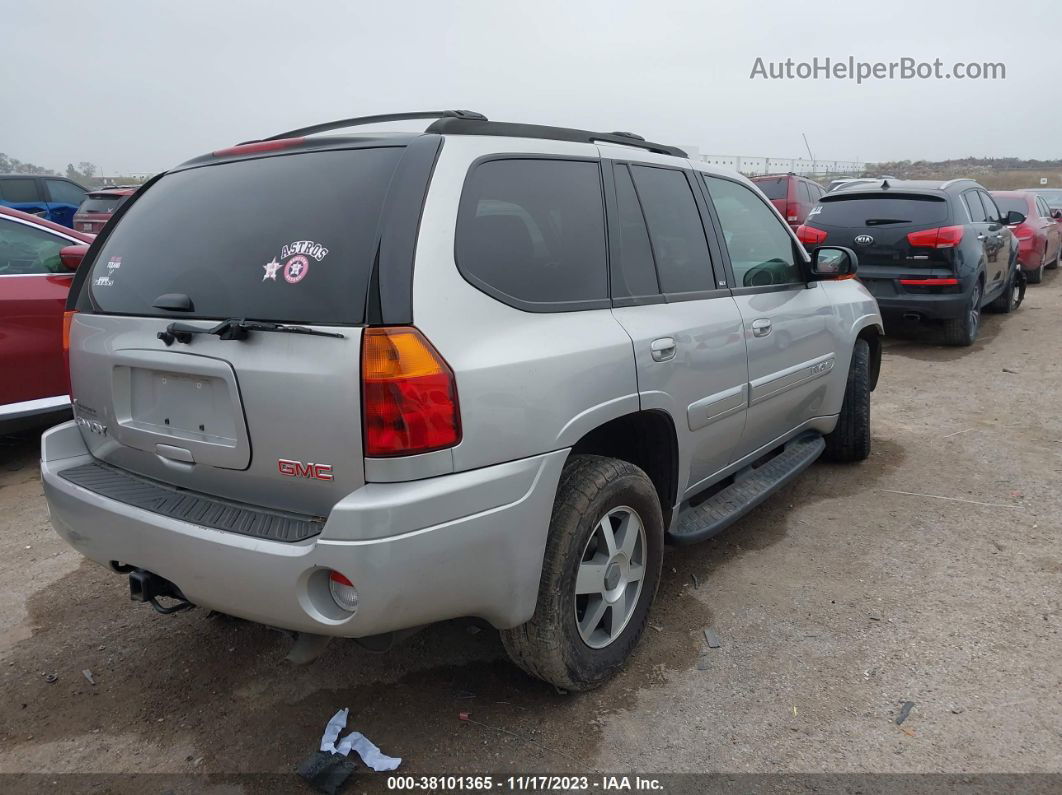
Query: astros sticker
{"type": "Point", "coordinates": [296, 268]}
{"type": "Point", "coordinates": [294, 261]}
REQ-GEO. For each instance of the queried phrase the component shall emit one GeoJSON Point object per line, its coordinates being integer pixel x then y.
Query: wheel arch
{"type": "Point", "coordinates": [648, 440]}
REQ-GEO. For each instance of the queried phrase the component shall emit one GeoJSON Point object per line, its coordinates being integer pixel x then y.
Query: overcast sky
{"type": "Point", "coordinates": [137, 86]}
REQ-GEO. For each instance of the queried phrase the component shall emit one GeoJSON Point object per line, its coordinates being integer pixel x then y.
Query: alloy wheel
{"type": "Point", "coordinates": [608, 583]}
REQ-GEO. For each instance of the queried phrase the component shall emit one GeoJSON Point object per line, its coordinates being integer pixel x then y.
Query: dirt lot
{"type": "Point", "coordinates": [836, 602]}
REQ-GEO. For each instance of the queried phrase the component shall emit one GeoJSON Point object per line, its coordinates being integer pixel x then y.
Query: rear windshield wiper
{"type": "Point", "coordinates": [880, 221]}
{"type": "Point", "coordinates": [234, 329]}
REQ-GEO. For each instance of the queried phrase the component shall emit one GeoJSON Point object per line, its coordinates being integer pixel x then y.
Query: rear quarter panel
{"type": "Point", "coordinates": [527, 383]}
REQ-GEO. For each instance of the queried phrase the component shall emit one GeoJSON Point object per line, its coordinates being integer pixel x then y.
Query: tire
{"type": "Point", "coordinates": [1053, 265]}
{"type": "Point", "coordinates": [850, 440]}
{"type": "Point", "coordinates": [1037, 276]}
{"type": "Point", "coordinates": [962, 331]}
{"type": "Point", "coordinates": [1009, 299]}
{"type": "Point", "coordinates": [552, 646]}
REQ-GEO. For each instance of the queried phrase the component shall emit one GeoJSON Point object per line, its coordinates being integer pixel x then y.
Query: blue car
{"type": "Point", "coordinates": [53, 198]}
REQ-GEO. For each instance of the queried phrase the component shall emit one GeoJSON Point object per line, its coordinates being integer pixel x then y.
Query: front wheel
{"type": "Point", "coordinates": [850, 439]}
{"type": "Point", "coordinates": [599, 575]}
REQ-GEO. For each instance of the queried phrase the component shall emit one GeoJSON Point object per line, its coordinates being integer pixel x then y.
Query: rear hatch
{"type": "Point", "coordinates": [876, 225]}
{"type": "Point", "coordinates": [266, 417]}
{"type": "Point", "coordinates": [777, 190]}
{"type": "Point", "coordinates": [96, 210]}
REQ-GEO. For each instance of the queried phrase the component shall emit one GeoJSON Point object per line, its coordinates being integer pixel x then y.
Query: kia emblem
{"type": "Point", "coordinates": [863, 240]}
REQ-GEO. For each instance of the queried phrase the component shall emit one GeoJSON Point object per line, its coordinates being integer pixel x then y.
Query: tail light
{"type": "Point", "coordinates": [68, 320]}
{"type": "Point", "coordinates": [930, 282]}
{"type": "Point", "coordinates": [809, 234]}
{"type": "Point", "coordinates": [409, 394]}
{"type": "Point", "coordinates": [344, 594]}
{"type": "Point", "coordinates": [1024, 232]}
{"type": "Point", "coordinates": [254, 147]}
{"type": "Point", "coordinates": [941, 237]}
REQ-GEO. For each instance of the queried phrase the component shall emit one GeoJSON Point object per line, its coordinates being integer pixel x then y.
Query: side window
{"type": "Point", "coordinates": [1045, 211]}
{"type": "Point", "coordinates": [20, 189]}
{"type": "Point", "coordinates": [761, 249]}
{"type": "Point", "coordinates": [633, 272]}
{"type": "Point", "coordinates": [24, 249]}
{"type": "Point", "coordinates": [59, 190]}
{"type": "Point", "coordinates": [531, 232]}
{"type": "Point", "coordinates": [805, 193]}
{"type": "Point", "coordinates": [679, 246]}
{"type": "Point", "coordinates": [991, 208]}
{"type": "Point", "coordinates": [973, 204]}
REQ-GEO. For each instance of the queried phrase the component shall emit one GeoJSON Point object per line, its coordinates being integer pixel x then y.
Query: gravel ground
{"type": "Point", "coordinates": [836, 602]}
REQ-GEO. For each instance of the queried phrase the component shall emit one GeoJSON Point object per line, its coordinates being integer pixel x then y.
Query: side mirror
{"type": "Point", "coordinates": [1057, 215]}
{"type": "Point", "coordinates": [833, 262]}
{"type": "Point", "coordinates": [71, 256]}
{"type": "Point", "coordinates": [1014, 217]}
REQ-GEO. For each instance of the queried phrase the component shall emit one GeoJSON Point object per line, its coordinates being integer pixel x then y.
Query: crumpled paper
{"type": "Point", "coordinates": [355, 741]}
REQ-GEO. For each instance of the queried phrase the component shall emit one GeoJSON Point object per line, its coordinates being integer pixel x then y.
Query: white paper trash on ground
{"type": "Point", "coordinates": [355, 741]}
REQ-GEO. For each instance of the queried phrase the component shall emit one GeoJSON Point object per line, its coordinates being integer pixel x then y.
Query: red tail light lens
{"type": "Point", "coordinates": [68, 319]}
{"type": "Point", "coordinates": [941, 237]}
{"type": "Point", "coordinates": [930, 282]}
{"type": "Point", "coordinates": [258, 146]}
{"type": "Point", "coordinates": [1023, 232]}
{"type": "Point", "coordinates": [409, 394]}
{"type": "Point", "coordinates": [809, 234]}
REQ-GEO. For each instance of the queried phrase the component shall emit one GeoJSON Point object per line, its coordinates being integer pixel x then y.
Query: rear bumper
{"type": "Point", "coordinates": [928, 306]}
{"type": "Point", "coordinates": [467, 544]}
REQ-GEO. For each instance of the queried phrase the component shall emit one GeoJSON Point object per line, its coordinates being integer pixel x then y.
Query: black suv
{"type": "Point", "coordinates": [928, 251]}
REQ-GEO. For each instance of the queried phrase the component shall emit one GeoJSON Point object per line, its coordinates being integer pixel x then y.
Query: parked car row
{"type": "Point", "coordinates": [55, 199]}
{"type": "Point", "coordinates": [939, 251]}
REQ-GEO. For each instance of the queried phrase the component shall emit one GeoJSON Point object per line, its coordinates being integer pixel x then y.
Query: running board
{"type": "Point", "coordinates": [749, 489]}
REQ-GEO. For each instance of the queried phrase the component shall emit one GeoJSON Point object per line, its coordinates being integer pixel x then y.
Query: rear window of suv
{"type": "Point", "coordinates": [288, 238]}
{"type": "Point", "coordinates": [877, 210]}
{"type": "Point", "coordinates": [102, 203]}
{"type": "Point", "coordinates": [774, 188]}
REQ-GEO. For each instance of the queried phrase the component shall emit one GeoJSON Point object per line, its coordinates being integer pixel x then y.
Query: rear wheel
{"type": "Point", "coordinates": [1057, 260]}
{"type": "Point", "coordinates": [1037, 276]}
{"type": "Point", "coordinates": [599, 575]}
{"type": "Point", "coordinates": [1009, 299]}
{"type": "Point", "coordinates": [962, 331]}
{"type": "Point", "coordinates": [850, 440]}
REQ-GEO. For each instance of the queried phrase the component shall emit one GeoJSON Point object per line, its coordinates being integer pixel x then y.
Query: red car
{"type": "Point", "coordinates": [793, 196]}
{"type": "Point", "coordinates": [1039, 236]}
{"type": "Point", "coordinates": [99, 206]}
{"type": "Point", "coordinates": [37, 261]}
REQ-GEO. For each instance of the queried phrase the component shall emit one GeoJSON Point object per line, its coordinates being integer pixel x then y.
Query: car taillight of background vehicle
{"type": "Point", "coordinates": [1023, 232]}
{"type": "Point", "coordinates": [941, 237]}
{"type": "Point", "coordinates": [809, 234]}
{"type": "Point", "coordinates": [409, 394]}
{"type": "Point", "coordinates": [68, 320]}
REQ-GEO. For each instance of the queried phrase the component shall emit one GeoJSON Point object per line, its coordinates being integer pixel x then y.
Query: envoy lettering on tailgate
{"type": "Point", "coordinates": [297, 469]}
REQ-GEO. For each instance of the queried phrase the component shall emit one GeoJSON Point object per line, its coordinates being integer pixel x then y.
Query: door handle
{"type": "Point", "coordinates": [761, 327]}
{"type": "Point", "coordinates": [980, 237]}
{"type": "Point", "coordinates": [663, 349]}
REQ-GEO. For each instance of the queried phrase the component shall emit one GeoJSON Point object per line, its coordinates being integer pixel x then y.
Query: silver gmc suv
{"type": "Point", "coordinates": [350, 385]}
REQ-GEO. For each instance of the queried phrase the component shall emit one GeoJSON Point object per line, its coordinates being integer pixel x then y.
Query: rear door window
{"type": "Point", "coordinates": [679, 246]}
{"type": "Point", "coordinates": [973, 204]}
{"type": "Point", "coordinates": [633, 269]}
{"type": "Point", "coordinates": [531, 233]}
{"type": "Point", "coordinates": [288, 238]}
{"type": "Point", "coordinates": [18, 190]}
{"type": "Point", "coordinates": [842, 210]}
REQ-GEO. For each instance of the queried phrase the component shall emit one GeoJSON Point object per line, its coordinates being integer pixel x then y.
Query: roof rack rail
{"type": "Point", "coordinates": [463, 125]}
{"type": "Point", "coordinates": [951, 182]}
{"type": "Point", "coordinates": [359, 121]}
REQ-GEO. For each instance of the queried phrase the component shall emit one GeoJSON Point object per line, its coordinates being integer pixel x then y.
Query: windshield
{"type": "Point", "coordinates": [287, 238]}
{"type": "Point", "coordinates": [1052, 197]}
{"type": "Point", "coordinates": [877, 210]}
